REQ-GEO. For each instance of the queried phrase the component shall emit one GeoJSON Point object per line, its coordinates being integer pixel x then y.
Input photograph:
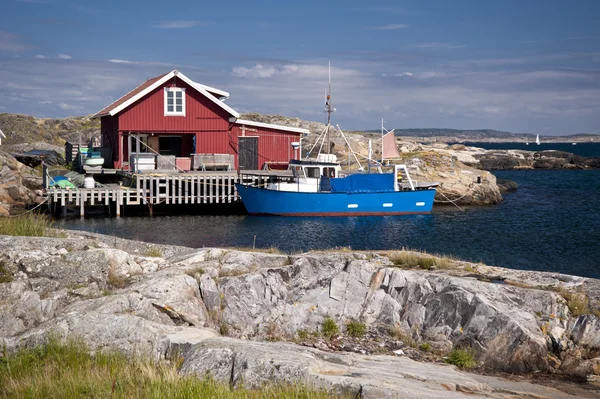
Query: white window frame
{"type": "Point", "coordinates": [175, 90]}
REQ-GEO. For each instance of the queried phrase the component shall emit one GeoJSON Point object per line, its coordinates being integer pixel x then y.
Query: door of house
{"type": "Point", "coordinates": [248, 153]}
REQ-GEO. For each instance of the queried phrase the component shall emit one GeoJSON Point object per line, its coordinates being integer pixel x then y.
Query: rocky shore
{"type": "Point", "coordinates": [20, 185]}
{"type": "Point", "coordinates": [253, 318]}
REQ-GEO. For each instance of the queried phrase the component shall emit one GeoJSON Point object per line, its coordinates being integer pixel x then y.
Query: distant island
{"type": "Point", "coordinates": [486, 135]}
{"type": "Point", "coordinates": [27, 129]}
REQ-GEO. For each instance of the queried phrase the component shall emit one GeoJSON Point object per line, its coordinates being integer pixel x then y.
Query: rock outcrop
{"type": "Point", "coordinates": [110, 293]}
{"type": "Point", "coordinates": [19, 184]}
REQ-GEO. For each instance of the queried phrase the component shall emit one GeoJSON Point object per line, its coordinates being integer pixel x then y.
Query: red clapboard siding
{"type": "Point", "coordinates": [273, 145]}
{"type": "Point", "coordinates": [213, 143]}
{"type": "Point", "coordinates": [148, 114]}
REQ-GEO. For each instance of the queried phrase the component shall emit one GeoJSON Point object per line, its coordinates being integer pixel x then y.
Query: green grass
{"type": "Point", "coordinates": [578, 302]}
{"type": "Point", "coordinates": [28, 224]}
{"type": "Point", "coordinates": [302, 334]}
{"type": "Point", "coordinates": [5, 274]}
{"type": "Point", "coordinates": [329, 328]}
{"type": "Point", "coordinates": [57, 370]}
{"type": "Point", "coordinates": [463, 358]}
{"type": "Point", "coordinates": [425, 346]}
{"type": "Point", "coordinates": [356, 329]}
{"type": "Point", "coordinates": [420, 260]}
{"type": "Point", "coordinates": [154, 253]}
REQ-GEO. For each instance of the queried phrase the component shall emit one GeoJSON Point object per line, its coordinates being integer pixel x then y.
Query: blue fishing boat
{"type": "Point", "coordinates": [318, 188]}
{"type": "Point", "coordinates": [359, 194]}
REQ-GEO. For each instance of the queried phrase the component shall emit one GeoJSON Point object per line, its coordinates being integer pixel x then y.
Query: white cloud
{"type": "Point", "coordinates": [69, 107]}
{"type": "Point", "coordinates": [390, 27]}
{"type": "Point", "coordinates": [264, 71]}
{"type": "Point", "coordinates": [179, 24]}
{"type": "Point", "coordinates": [521, 97]}
{"type": "Point", "coordinates": [13, 43]}
{"type": "Point", "coordinates": [117, 61]}
{"type": "Point", "coordinates": [41, 57]}
{"type": "Point", "coordinates": [64, 56]}
{"type": "Point", "coordinates": [439, 45]}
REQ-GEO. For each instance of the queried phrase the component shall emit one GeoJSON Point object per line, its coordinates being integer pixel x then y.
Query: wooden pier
{"type": "Point", "coordinates": [150, 189]}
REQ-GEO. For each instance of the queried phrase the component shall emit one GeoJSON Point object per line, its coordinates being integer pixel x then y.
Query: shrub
{"type": "Point", "coordinates": [463, 358]}
{"type": "Point", "coordinates": [423, 261]}
{"type": "Point", "coordinates": [329, 328]}
{"type": "Point", "coordinates": [425, 346]}
{"type": "Point", "coordinates": [356, 329]}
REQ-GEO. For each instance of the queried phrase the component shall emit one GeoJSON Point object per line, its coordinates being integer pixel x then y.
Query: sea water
{"type": "Point", "coordinates": [551, 223]}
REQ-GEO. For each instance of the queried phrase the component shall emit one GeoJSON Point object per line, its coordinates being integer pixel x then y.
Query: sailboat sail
{"type": "Point", "coordinates": [537, 139]}
{"type": "Point", "coordinates": [389, 151]}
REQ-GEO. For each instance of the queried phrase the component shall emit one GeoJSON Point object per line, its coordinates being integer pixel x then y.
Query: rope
{"type": "Point", "coordinates": [449, 200]}
{"type": "Point", "coordinates": [31, 210]}
{"type": "Point", "coordinates": [453, 202]}
{"type": "Point", "coordinates": [456, 199]}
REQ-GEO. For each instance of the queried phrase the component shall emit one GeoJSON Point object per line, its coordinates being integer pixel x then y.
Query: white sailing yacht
{"type": "Point", "coordinates": [537, 139]}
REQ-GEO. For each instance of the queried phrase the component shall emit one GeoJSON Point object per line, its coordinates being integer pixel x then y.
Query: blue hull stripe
{"type": "Point", "coordinates": [260, 201]}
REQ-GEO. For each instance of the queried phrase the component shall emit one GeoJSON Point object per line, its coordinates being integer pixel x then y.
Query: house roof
{"type": "Point", "coordinates": [270, 126]}
{"type": "Point", "coordinates": [151, 84]}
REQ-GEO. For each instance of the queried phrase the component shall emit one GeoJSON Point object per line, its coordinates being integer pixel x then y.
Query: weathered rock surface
{"type": "Point", "coordinates": [18, 184]}
{"type": "Point", "coordinates": [109, 293]}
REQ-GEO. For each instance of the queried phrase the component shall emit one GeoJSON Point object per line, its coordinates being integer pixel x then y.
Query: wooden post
{"type": "Point", "coordinates": [82, 203]}
{"type": "Point", "coordinates": [118, 203]}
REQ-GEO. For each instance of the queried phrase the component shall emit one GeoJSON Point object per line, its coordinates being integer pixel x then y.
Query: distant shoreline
{"type": "Point", "coordinates": [461, 140]}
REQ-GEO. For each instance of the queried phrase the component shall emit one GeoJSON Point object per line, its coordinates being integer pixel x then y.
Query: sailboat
{"type": "Point", "coordinates": [537, 139]}
{"type": "Point", "coordinates": [316, 187]}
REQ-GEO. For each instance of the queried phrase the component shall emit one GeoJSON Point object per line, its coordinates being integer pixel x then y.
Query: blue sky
{"type": "Point", "coordinates": [521, 66]}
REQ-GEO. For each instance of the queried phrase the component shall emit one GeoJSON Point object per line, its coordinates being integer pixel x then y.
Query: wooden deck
{"type": "Point", "coordinates": [154, 188]}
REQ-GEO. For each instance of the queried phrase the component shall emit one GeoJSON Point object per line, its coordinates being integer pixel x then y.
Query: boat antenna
{"type": "Point", "coordinates": [329, 110]}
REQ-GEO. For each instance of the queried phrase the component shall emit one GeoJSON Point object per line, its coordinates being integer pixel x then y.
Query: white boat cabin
{"type": "Point", "coordinates": [309, 176]}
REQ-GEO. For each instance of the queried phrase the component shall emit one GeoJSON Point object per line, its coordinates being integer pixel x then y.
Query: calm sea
{"type": "Point", "coordinates": [552, 223]}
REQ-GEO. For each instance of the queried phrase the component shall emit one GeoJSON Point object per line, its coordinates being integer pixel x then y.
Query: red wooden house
{"type": "Point", "coordinates": [173, 115]}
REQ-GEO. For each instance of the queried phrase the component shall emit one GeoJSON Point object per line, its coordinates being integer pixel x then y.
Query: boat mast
{"type": "Point", "coordinates": [329, 110]}
{"type": "Point", "coordinates": [382, 141]}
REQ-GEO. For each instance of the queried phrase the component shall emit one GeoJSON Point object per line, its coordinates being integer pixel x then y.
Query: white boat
{"type": "Point", "coordinates": [537, 139]}
{"type": "Point", "coordinates": [573, 143]}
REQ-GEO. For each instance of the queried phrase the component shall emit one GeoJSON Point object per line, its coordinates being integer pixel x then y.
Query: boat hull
{"type": "Point", "coordinates": [261, 201]}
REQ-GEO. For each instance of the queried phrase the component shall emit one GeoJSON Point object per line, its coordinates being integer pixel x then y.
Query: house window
{"type": "Point", "coordinates": [174, 101]}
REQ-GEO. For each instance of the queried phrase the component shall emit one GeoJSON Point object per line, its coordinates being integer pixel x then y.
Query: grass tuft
{"type": "Point", "coordinates": [420, 260]}
{"type": "Point", "coordinates": [29, 224]}
{"type": "Point", "coordinates": [154, 253]}
{"type": "Point", "coordinates": [57, 370]}
{"type": "Point", "coordinates": [463, 358]}
{"type": "Point", "coordinates": [115, 280]}
{"type": "Point", "coordinates": [356, 329]}
{"type": "Point", "coordinates": [578, 302]}
{"type": "Point", "coordinates": [302, 334]}
{"type": "Point", "coordinates": [329, 328]}
{"type": "Point", "coordinates": [425, 346]}
{"type": "Point", "coordinates": [5, 274]}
